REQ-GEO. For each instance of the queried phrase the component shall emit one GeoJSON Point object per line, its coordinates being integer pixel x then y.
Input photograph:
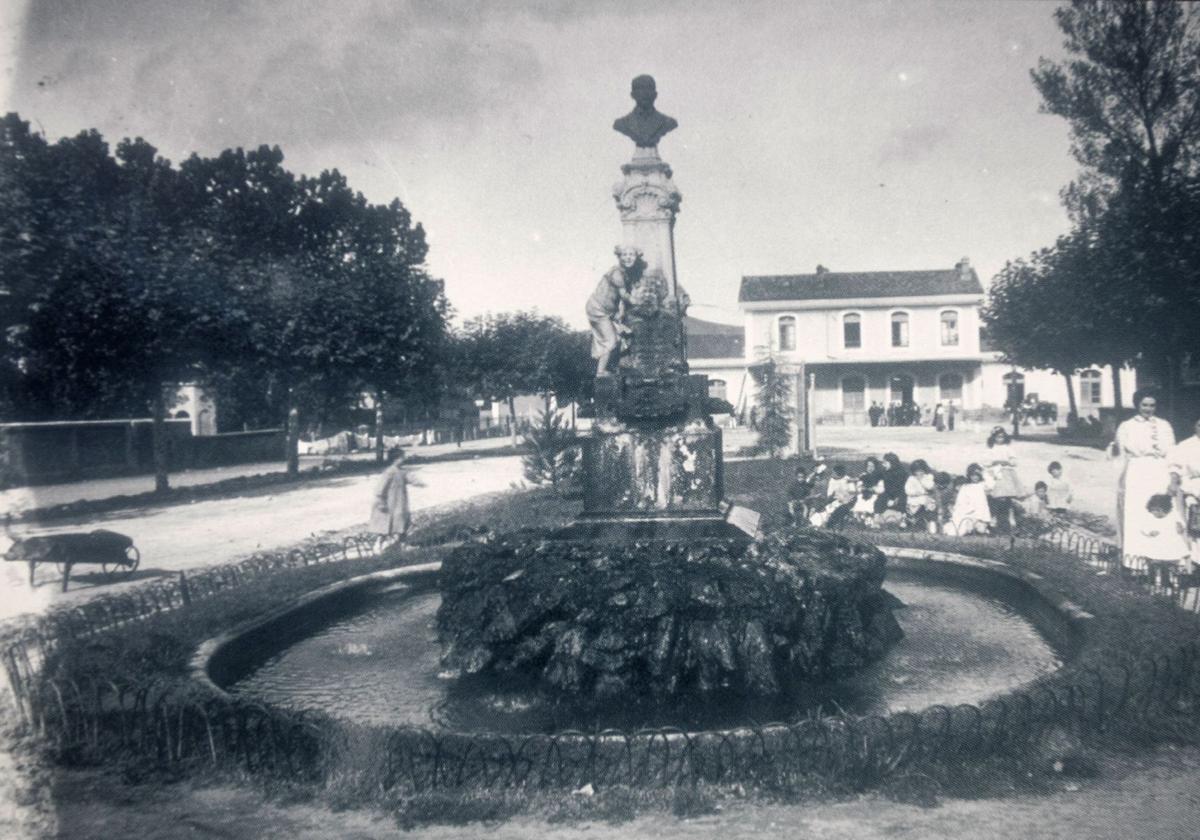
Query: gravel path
{"type": "Point", "coordinates": [208, 533]}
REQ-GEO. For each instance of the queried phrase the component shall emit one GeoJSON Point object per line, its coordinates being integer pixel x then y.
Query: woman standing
{"type": "Point", "coordinates": [1142, 443]}
{"type": "Point", "coordinates": [389, 512]}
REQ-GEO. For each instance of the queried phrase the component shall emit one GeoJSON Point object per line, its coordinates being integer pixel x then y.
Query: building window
{"type": "Point", "coordinates": [854, 394]}
{"type": "Point", "coordinates": [852, 331]}
{"type": "Point", "coordinates": [787, 333]}
{"type": "Point", "coordinates": [716, 389]}
{"type": "Point", "coordinates": [900, 329]}
{"type": "Point", "coordinates": [1089, 387]}
{"type": "Point", "coordinates": [950, 328]}
{"type": "Point", "coordinates": [1014, 387]}
{"type": "Point", "coordinates": [950, 387]}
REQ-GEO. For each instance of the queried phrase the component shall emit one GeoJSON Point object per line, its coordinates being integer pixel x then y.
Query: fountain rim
{"type": "Point", "coordinates": [1063, 622]}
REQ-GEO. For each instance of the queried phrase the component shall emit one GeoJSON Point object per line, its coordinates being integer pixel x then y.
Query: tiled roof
{"type": "Point", "coordinates": [710, 340]}
{"type": "Point", "coordinates": [830, 285]}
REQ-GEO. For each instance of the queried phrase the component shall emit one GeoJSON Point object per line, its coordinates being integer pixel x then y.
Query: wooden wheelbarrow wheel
{"type": "Point", "coordinates": [125, 566]}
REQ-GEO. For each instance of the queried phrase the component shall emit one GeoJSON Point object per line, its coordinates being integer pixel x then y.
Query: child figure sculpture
{"type": "Point", "coordinates": [606, 307]}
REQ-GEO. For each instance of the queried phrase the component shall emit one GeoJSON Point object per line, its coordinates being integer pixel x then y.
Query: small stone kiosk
{"type": "Point", "coordinates": [650, 594]}
{"type": "Point", "coordinates": [654, 455]}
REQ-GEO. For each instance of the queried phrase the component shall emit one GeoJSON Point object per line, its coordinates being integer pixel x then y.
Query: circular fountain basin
{"type": "Point", "coordinates": [374, 658]}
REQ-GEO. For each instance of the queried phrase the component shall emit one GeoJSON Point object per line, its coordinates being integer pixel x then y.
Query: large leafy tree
{"type": "Point", "coordinates": [110, 311]}
{"type": "Point", "coordinates": [1130, 91]}
{"type": "Point", "coordinates": [123, 276]}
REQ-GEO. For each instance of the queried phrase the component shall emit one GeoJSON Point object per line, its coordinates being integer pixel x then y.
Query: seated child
{"type": "Point", "coordinates": [864, 503]}
{"type": "Point", "coordinates": [1037, 506]}
{"type": "Point", "coordinates": [842, 492]}
{"type": "Point", "coordinates": [1004, 488]}
{"type": "Point", "coordinates": [1058, 491]}
{"type": "Point", "coordinates": [921, 505]}
{"type": "Point", "coordinates": [971, 514]}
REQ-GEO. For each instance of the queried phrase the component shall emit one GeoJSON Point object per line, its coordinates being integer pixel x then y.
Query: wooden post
{"type": "Point", "coordinates": [800, 437]}
{"type": "Point", "coordinates": [810, 431]}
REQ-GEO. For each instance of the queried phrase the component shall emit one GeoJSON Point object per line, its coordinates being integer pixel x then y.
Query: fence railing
{"type": "Point", "coordinates": [176, 722]}
{"type": "Point", "coordinates": [97, 719]}
{"type": "Point", "coordinates": [24, 645]}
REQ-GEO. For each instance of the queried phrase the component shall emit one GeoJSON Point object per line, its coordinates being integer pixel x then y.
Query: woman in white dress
{"type": "Point", "coordinates": [1142, 444]}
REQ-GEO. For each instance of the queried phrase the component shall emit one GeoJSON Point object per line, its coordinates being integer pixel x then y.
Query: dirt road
{"type": "Point", "coordinates": [213, 532]}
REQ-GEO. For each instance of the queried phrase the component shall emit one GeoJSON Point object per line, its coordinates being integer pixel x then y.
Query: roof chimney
{"type": "Point", "coordinates": [963, 267]}
{"type": "Point", "coordinates": [822, 269]}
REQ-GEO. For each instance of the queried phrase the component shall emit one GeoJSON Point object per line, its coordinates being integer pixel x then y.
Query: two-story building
{"type": "Point", "coordinates": [891, 337]}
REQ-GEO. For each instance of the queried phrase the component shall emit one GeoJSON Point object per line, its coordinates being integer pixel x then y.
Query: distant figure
{"type": "Point", "coordinates": [939, 417]}
{"type": "Point", "coordinates": [950, 412]}
{"type": "Point", "coordinates": [644, 125]}
{"type": "Point", "coordinates": [389, 510]}
{"type": "Point", "coordinates": [875, 412]}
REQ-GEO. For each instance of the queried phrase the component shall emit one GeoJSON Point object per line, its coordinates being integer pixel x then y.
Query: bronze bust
{"type": "Point", "coordinates": [644, 125]}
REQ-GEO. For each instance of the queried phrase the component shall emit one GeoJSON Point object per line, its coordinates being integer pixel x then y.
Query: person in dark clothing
{"type": "Point", "coordinates": [894, 477]}
{"type": "Point", "coordinates": [798, 492]}
{"type": "Point", "coordinates": [873, 414]}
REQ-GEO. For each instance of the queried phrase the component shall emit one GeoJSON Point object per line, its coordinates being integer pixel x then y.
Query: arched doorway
{"type": "Point", "coordinates": [900, 389]}
{"type": "Point", "coordinates": [1014, 389]}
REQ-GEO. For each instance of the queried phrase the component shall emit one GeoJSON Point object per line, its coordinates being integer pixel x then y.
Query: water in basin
{"type": "Point", "coordinates": [380, 665]}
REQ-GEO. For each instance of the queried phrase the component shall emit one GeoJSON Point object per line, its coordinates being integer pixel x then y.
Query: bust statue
{"type": "Point", "coordinates": [644, 125]}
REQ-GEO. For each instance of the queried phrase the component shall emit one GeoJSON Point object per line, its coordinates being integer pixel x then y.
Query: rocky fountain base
{"type": "Point", "coordinates": [665, 619]}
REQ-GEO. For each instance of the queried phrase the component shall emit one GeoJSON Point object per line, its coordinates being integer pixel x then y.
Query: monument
{"type": "Point", "coordinates": [650, 594]}
{"type": "Point", "coordinates": [654, 454]}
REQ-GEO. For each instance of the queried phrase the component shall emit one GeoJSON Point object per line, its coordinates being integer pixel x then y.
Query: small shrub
{"type": "Point", "coordinates": [551, 451]}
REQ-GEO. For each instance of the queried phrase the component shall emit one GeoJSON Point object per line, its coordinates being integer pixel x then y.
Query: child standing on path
{"type": "Point", "coordinates": [389, 511]}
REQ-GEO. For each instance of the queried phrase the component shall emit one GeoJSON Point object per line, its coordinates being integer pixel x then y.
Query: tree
{"type": "Point", "coordinates": [503, 356]}
{"type": "Point", "coordinates": [1131, 94]}
{"type": "Point", "coordinates": [109, 310]}
{"type": "Point", "coordinates": [124, 277]}
{"type": "Point", "coordinates": [774, 406]}
{"type": "Point", "coordinates": [1061, 309]}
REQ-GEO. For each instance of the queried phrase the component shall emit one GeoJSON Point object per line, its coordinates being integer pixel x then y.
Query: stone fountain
{"type": "Point", "coordinates": [651, 593]}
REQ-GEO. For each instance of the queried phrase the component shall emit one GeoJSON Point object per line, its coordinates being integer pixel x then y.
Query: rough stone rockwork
{"type": "Point", "coordinates": [665, 619]}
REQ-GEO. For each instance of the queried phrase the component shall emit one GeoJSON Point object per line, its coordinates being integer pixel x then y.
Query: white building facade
{"type": "Point", "coordinates": [895, 337]}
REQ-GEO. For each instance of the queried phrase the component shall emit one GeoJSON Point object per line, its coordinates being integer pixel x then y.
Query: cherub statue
{"type": "Point", "coordinates": [606, 307]}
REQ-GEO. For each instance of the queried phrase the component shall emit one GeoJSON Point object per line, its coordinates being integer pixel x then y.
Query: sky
{"type": "Point", "coordinates": [864, 136]}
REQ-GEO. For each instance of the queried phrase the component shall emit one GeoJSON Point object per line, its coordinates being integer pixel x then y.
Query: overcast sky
{"type": "Point", "coordinates": [861, 135]}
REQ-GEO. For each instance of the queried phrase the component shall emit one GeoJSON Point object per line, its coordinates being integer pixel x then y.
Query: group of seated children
{"type": "Point", "coordinates": [889, 495]}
